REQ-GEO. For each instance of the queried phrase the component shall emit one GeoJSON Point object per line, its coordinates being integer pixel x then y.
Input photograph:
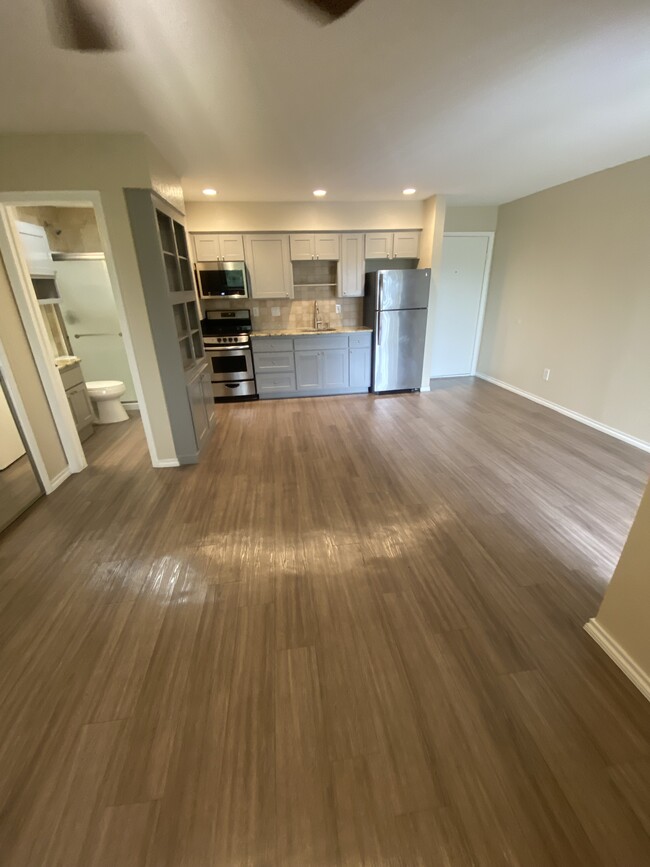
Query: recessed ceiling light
{"type": "Point", "coordinates": [320, 193]}
{"type": "Point", "coordinates": [409, 191]}
{"type": "Point", "coordinates": [208, 191]}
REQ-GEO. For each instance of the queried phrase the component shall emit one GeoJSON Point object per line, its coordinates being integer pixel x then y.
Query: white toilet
{"type": "Point", "coordinates": [105, 395]}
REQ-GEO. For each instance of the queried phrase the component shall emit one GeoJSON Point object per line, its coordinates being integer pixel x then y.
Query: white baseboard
{"type": "Point", "coordinates": [166, 462]}
{"type": "Point", "coordinates": [617, 654]}
{"type": "Point", "coordinates": [59, 479]}
{"type": "Point", "coordinates": [576, 416]}
{"type": "Point", "coordinates": [425, 388]}
{"type": "Point", "coordinates": [131, 405]}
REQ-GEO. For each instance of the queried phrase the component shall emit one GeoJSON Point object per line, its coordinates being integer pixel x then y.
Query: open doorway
{"type": "Point", "coordinates": [62, 251]}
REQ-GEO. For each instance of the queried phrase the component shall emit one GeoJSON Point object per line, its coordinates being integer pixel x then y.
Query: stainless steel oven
{"type": "Point", "coordinates": [228, 349]}
{"type": "Point", "coordinates": [222, 279]}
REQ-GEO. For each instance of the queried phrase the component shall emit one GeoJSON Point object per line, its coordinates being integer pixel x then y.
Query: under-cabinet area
{"type": "Point", "coordinates": [310, 365]}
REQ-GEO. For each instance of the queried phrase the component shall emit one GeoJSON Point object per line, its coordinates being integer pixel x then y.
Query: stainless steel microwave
{"type": "Point", "coordinates": [222, 279]}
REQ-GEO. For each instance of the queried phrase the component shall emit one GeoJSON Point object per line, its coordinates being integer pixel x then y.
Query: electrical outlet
{"type": "Point", "coordinates": [275, 311]}
{"type": "Point", "coordinates": [547, 374]}
{"type": "Point", "coordinates": [256, 311]}
{"type": "Point", "coordinates": [338, 308]}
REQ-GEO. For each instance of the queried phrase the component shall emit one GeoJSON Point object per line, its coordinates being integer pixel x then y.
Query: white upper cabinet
{"type": "Point", "coordinates": [393, 245]}
{"type": "Point", "coordinates": [379, 245]}
{"type": "Point", "coordinates": [219, 248]}
{"type": "Point", "coordinates": [307, 246]}
{"type": "Point", "coordinates": [406, 245]}
{"type": "Point", "coordinates": [302, 247]}
{"type": "Point", "coordinates": [327, 247]}
{"type": "Point", "coordinates": [269, 264]}
{"type": "Point", "coordinates": [36, 249]}
{"type": "Point", "coordinates": [353, 265]}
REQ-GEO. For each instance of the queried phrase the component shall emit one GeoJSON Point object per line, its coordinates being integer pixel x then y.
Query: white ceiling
{"type": "Point", "coordinates": [481, 101]}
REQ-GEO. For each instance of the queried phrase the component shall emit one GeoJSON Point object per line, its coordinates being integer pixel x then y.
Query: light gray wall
{"type": "Point", "coordinates": [471, 219]}
{"type": "Point", "coordinates": [570, 291]}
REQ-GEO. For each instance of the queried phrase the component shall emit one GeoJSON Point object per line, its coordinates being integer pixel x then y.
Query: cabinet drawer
{"type": "Point", "coordinates": [272, 383]}
{"type": "Point", "coordinates": [361, 338]}
{"type": "Point", "coordinates": [267, 362]}
{"type": "Point", "coordinates": [71, 376]}
{"type": "Point", "coordinates": [272, 344]}
{"type": "Point", "coordinates": [321, 341]}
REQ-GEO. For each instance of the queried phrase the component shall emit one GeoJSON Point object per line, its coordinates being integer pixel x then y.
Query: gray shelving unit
{"type": "Point", "coordinates": [172, 305]}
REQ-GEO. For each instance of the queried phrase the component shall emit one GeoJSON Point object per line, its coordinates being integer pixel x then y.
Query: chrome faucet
{"type": "Point", "coordinates": [318, 322]}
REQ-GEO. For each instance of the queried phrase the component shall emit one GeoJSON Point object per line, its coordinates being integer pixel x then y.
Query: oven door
{"type": "Point", "coordinates": [230, 364]}
{"type": "Point", "coordinates": [222, 279]}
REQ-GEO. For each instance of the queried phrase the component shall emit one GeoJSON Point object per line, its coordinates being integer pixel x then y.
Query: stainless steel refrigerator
{"type": "Point", "coordinates": [395, 307]}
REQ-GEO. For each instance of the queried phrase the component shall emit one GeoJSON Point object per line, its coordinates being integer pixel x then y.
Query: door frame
{"type": "Point", "coordinates": [21, 285]}
{"type": "Point", "coordinates": [483, 297]}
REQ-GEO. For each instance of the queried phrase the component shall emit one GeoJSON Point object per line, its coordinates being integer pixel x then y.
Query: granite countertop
{"type": "Point", "coordinates": [302, 332]}
{"type": "Point", "coordinates": [65, 361]}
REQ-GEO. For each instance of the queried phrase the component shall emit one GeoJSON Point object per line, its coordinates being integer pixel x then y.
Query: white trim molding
{"type": "Point", "coordinates": [59, 479]}
{"type": "Point", "coordinates": [633, 671]}
{"type": "Point", "coordinates": [166, 462]}
{"type": "Point", "coordinates": [576, 416]}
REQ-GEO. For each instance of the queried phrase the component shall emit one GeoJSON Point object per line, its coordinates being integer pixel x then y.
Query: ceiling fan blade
{"type": "Point", "coordinates": [329, 10]}
{"type": "Point", "coordinates": [82, 25]}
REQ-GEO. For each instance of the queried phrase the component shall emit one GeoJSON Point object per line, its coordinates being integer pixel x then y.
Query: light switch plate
{"type": "Point", "coordinates": [338, 308]}
{"type": "Point", "coordinates": [275, 311]}
{"type": "Point", "coordinates": [256, 311]}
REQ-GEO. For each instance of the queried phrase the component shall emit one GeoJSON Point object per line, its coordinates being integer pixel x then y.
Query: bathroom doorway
{"type": "Point", "coordinates": [75, 303]}
{"type": "Point", "coordinates": [19, 484]}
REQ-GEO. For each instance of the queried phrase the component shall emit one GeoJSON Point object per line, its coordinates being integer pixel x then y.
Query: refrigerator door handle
{"type": "Point", "coordinates": [379, 329]}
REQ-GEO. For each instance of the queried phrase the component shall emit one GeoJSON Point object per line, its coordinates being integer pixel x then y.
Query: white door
{"type": "Point", "coordinates": [460, 299]}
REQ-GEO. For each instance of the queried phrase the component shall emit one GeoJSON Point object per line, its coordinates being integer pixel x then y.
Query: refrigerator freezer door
{"type": "Point", "coordinates": [403, 290]}
{"type": "Point", "coordinates": [399, 349]}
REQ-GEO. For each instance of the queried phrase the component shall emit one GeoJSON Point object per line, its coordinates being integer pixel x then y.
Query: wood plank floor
{"type": "Point", "coordinates": [351, 636]}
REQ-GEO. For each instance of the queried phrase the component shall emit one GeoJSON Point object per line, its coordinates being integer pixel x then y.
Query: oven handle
{"type": "Point", "coordinates": [228, 348]}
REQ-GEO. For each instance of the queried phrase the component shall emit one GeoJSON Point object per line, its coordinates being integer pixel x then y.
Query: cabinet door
{"type": "Point", "coordinates": [269, 263]}
{"type": "Point", "coordinates": [207, 248]}
{"type": "Point", "coordinates": [406, 245]}
{"type": "Point", "coordinates": [379, 245]}
{"type": "Point", "coordinates": [302, 247]}
{"type": "Point", "coordinates": [353, 265]}
{"type": "Point", "coordinates": [360, 367]}
{"type": "Point", "coordinates": [232, 248]}
{"type": "Point", "coordinates": [36, 248]}
{"type": "Point", "coordinates": [208, 397]}
{"type": "Point", "coordinates": [80, 405]}
{"type": "Point", "coordinates": [335, 368]}
{"type": "Point", "coordinates": [309, 369]}
{"type": "Point", "coordinates": [327, 247]}
{"type": "Point", "coordinates": [195, 393]}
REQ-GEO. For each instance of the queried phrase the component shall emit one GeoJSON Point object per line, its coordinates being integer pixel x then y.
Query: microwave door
{"type": "Point", "coordinates": [223, 280]}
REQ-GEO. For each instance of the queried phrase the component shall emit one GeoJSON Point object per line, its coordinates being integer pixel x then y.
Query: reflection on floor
{"type": "Point", "coordinates": [19, 488]}
{"type": "Point", "coordinates": [352, 635]}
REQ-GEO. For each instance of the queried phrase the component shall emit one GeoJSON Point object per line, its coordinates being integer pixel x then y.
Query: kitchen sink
{"type": "Point", "coordinates": [317, 330]}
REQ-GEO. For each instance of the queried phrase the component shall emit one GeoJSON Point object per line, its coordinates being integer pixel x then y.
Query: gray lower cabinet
{"type": "Point", "coordinates": [309, 370]}
{"type": "Point", "coordinates": [312, 364]}
{"type": "Point", "coordinates": [199, 392]}
{"type": "Point", "coordinates": [80, 405]}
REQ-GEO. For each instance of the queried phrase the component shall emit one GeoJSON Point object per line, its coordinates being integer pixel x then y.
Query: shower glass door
{"type": "Point", "coordinates": [19, 485]}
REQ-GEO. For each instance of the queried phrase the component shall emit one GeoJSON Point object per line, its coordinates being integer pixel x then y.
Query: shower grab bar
{"type": "Point", "coordinates": [101, 334]}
